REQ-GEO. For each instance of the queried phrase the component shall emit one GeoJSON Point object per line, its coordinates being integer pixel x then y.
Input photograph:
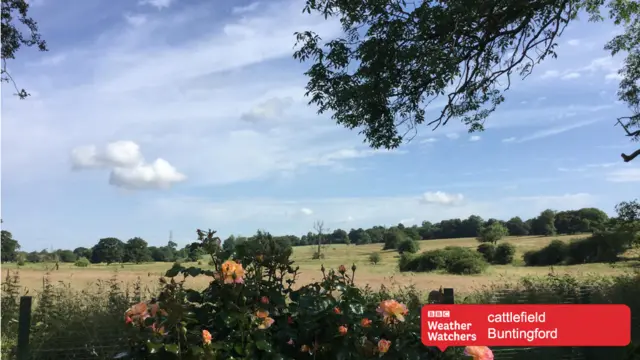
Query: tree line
{"type": "Point", "coordinates": [137, 250]}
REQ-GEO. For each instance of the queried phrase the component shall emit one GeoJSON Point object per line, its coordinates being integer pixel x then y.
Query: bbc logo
{"type": "Point", "coordinates": [438, 313]}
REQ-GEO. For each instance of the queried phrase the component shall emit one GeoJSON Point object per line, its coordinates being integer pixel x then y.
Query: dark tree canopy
{"type": "Point", "coordinates": [15, 15]}
{"type": "Point", "coordinates": [397, 56]}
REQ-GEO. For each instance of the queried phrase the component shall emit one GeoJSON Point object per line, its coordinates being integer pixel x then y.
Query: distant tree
{"type": "Point", "coordinates": [374, 235]}
{"type": "Point", "coordinates": [426, 230]}
{"type": "Point", "coordinates": [493, 233]}
{"type": "Point", "coordinates": [136, 251]}
{"type": "Point", "coordinates": [82, 252]}
{"type": "Point", "coordinates": [10, 247]}
{"type": "Point", "coordinates": [15, 20]}
{"type": "Point", "coordinates": [517, 227]}
{"type": "Point", "coordinates": [412, 232]}
{"type": "Point", "coordinates": [340, 236]}
{"type": "Point", "coordinates": [628, 219]}
{"type": "Point", "coordinates": [34, 257]}
{"type": "Point", "coordinates": [544, 224]}
{"type": "Point", "coordinates": [66, 256]}
{"type": "Point", "coordinates": [471, 226]}
{"type": "Point", "coordinates": [108, 250]}
{"type": "Point", "coordinates": [392, 238]}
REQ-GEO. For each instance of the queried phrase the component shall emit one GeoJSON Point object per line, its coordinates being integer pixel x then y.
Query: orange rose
{"type": "Point", "coordinates": [392, 310]}
{"type": "Point", "coordinates": [206, 337]}
{"type": "Point", "coordinates": [342, 269]}
{"type": "Point", "coordinates": [264, 300]}
{"type": "Point", "coordinates": [337, 310]}
{"type": "Point", "coordinates": [305, 349]}
{"type": "Point", "coordinates": [342, 330]}
{"type": "Point", "coordinates": [365, 322]}
{"type": "Point", "coordinates": [232, 272]}
{"type": "Point", "coordinates": [479, 352]}
{"type": "Point", "coordinates": [383, 346]}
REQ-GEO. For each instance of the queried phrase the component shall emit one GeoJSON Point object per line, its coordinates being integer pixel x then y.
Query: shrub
{"type": "Point", "coordinates": [317, 255]}
{"type": "Point", "coordinates": [250, 310]}
{"type": "Point", "coordinates": [82, 262]}
{"type": "Point", "coordinates": [504, 254]}
{"type": "Point", "coordinates": [374, 258]}
{"type": "Point", "coordinates": [488, 250]}
{"type": "Point", "coordinates": [554, 253]}
{"type": "Point", "coordinates": [409, 246]}
{"type": "Point", "coordinates": [600, 247]}
{"type": "Point", "coordinates": [452, 259]}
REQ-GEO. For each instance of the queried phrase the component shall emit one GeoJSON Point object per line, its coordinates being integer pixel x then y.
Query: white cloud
{"type": "Point", "coordinates": [158, 4]}
{"type": "Point", "coordinates": [453, 136]}
{"type": "Point", "coordinates": [428, 140]}
{"type": "Point", "coordinates": [573, 42]}
{"type": "Point", "coordinates": [624, 175]}
{"type": "Point", "coordinates": [135, 20]}
{"type": "Point", "coordinates": [550, 74]}
{"type": "Point", "coordinates": [158, 175]}
{"type": "Point", "coordinates": [613, 76]}
{"type": "Point", "coordinates": [128, 169]}
{"type": "Point", "coordinates": [474, 138]}
{"type": "Point", "coordinates": [555, 130]}
{"type": "Point", "coordinates": [571, 75]}
{"type": "Point", "coordinates": [306, 211]}
{"type": "Point", "coordinates": [268, 110]}
{"type": "Point", "coordinates": [245, 9]}
{"type": "Point", "coordinates": [509, 139]}
{"type": "Point", "coordinates": [441, 198]}
{"type": "Point", "coordinates": [407, 221]}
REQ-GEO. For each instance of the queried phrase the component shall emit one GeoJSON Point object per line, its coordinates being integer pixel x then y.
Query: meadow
{"type": "Point", "coordinates": [385, 272]}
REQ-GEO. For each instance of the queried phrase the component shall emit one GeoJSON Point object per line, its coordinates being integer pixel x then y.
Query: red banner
{"type": "Point", "coordinates": [525, 325]}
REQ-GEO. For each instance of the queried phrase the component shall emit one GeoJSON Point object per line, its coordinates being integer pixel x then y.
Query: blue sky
{"type": "Point", "coordinates": [153, 116]}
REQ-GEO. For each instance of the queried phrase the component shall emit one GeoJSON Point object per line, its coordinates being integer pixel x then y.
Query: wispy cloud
{"type": "Point", "coordinates": [555, 131]}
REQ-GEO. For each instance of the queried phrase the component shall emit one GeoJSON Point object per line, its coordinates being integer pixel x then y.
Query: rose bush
{"type": "Point", "coordinates": [251, 310]}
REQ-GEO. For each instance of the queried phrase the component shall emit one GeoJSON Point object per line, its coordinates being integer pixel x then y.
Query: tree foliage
{"type": "Point", "coordinates": [493, 233]}
{"type": "Point", "coordinates": [10, 246]}
{"type": "Point", "coordinates": [396, 57]}
{"type": "Point", "coordinates": [15, 15]}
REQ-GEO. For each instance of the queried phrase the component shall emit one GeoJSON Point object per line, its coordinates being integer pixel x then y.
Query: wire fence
{"type": "Point", "coordinates": [90, 342]}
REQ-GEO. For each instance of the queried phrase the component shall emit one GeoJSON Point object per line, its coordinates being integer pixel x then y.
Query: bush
{"type": "Point", "coordinates": [408, 246]}
{"type": "Point", "coordinates": [374, 258]}
{"type": "Point", "coordinates": [600, 247]}
{"type": "Point", "coordinates": [82, 262]}
{"type": "Point", "coordinates": [317, 255]}
{"type": "Point", "coordinates": [268, 318]}
{"type": "Point", "coordinates": [392, 238]}
{"type": "Point", "coordinates": [452, 259]}
{"type": "Point", "coordinates": [554, 253]}
{"type": "Point", "coordinates": [488, 250]}
{"type": "Point", "coordinates": [504, 254]}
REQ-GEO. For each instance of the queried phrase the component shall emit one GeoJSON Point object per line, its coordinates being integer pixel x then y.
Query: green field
{"type": "Point", "coordinates": [375, 275]}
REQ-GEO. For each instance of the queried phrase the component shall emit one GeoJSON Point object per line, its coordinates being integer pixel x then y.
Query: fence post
{"type": "Point", "coordinates": [24, 327]}
{"type": "Point", "coordinates": [448, 296]}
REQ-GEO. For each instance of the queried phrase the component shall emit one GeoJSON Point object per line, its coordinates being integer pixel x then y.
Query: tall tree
{"type": "Point", "coordinates": [396, 57]}
{"type": "Point", "coordinates": [136, 250]}
{"type": "Point", "coordinates": [15, 15]}
{"type": "Point", "coordinates": [108, 250]}
{"type": "Point", "coordinates": [10, 247]}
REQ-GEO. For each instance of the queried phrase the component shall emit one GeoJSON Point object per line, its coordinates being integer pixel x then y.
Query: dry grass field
{"type": "Point", "coordinates": [385, 272]}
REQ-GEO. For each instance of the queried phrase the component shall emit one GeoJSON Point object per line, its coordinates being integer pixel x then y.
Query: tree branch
{"type": "Point", "coordinates": [628, 158]}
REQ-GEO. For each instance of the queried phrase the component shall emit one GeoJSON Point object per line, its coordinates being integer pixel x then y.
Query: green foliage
{"type": "Point", "coordinates": [553, 254]}
{"type": "Point", "coordinates": [252, 310]}
{"type": "Point", "coordinates": [82, 262]}
{"type": "Point", "coordinates": [544, 224]}
{"type": "Point", "coordinates": [15, 20]}
{"type": "Point", "coordinates": [408, 246]}
{"type": "Point", "coordinates": [504, 254]}
{"type": "Point", "coordinates": [82, 252]}
{"type": "Point", "coordinates": [451, 259]}
{"type": "Point", "coordinates": [606, 246]}
{"type": "Point", "coordinates": [66, 256]}
{"type": "Point", "coordinates": [374, 258]}
{"type": "Point", "coordinates": [493, 233]}
{"type": "Point", "coordinates": [517, 227]}
{"type": "Point", "coordinates": [108, 250]}
{"type": "Point", "coordinates": [392, 238]}
{"type": "Point", "coordinates": [10, 246]}
{"type": "Point", "coordinates": [488, 251]}
{"type": "Point", "coordinates": [136, 251]}
{"type": "Point", "coordinates": [369, 79]}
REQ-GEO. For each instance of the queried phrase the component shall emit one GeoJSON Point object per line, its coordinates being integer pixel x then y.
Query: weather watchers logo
{"type": "Point", "coordinates": [525, 325]}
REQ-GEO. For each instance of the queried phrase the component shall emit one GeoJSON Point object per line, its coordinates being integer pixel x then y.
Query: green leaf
{"type": "Point", "coordinates": [174, 271]}
{"type": "Point", "coordinates": [239, 349]}
{"type": "Point", "coordinates": [218, 345]}
{"type": "Point", "coordinates": [193, 271]}
{"type": "Point", "coordinates": [263, 345]}
{"type": "Point", "coordinates": [172, 348]}
{"type": "Point", "coordinates": [356, 309]}
{"type": "Point", "coordinates": [152, 347]}
{"type": "Point", "coordinates": [196, 350]}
